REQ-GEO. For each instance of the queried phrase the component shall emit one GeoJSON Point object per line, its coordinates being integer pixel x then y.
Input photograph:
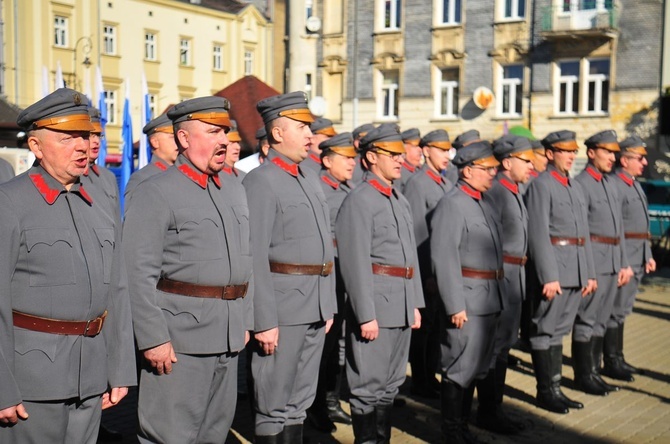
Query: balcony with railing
{"type": "Point", "coordinates": [580, 19]}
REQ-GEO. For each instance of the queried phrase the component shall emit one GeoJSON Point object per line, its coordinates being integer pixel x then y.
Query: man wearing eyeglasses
{"type": "Point", "coordinates": [466, 251]}
{"type": "Point", "coordinates": [560, 249]}
{"type": "Point", "coordinates": [635, 213]}
{"type": "Point", "coordinates": [377, 254]}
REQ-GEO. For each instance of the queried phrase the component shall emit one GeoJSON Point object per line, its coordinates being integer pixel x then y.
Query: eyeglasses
{"type": "Point", "coordinates": [490, 170]}
{"type": "Point", "coordinates": [637, 157]}
{"type": "Point", "coordinates": [393, 156]}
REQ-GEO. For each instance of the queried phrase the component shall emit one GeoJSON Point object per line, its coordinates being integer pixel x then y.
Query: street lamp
{"type": "Point", "coordinates": [86, 48]}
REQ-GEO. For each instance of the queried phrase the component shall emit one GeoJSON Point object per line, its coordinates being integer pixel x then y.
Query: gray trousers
{"type": "Point", "coordinates": [195, 403]}
{"type": "Point", "coordinates": [467, 352]}
{"type": "Point", "coordinates": [507, 332]}
{"type": "Point", "coordinates": [70, 421]}
{"type": "Point", "coordinates": [285, 381]}
{"type": "Point", "coordinates": [595, 310]}
{"type": "Point", "coordinates": [554, 319]}
{"type": "Point", "coordinates": [375, 369]}
{"type": "Point", "coordinates": [624, 300]}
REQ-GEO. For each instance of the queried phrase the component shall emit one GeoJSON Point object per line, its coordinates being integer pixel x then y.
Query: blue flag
{"type": "Point", "coordinates": [102, 106]}
{"type": "Point", "coordinates": [127, 159]}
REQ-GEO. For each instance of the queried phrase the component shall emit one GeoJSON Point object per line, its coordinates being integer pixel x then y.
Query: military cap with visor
{"type": "Point", "coordinates": [510, 145]}
{"type": "Point", "coordinates": [94, 115]}
{"type": "Point", "coordinates": [292, 105]}
{"type": "Point", "coordinates": [606, 140]}
{"type": "Point", "coordinates": [360, 131]}
{"type": "Point", "coordinates": [633, 145]}
{"type": "Point", "coordinates": [63, 110]}
{"type": "Point", "coordinates": [564, 140]}
{"type": "Point", "coordinates": [438, 138]}
{"type": "Point", "coordinates": [211, 109]}
{"type": "Point", "coordinates": [537, 146]}
{"type": "Point", "coordinates": [342, 144]}
{"type": "Point", "coordinates": [233, 134]}
{"type": "Point", "coordinates": [411, 136]}
{"type": "Point", "coordinates": [161, 124]}
{"type": "Point", "coordinates": [476, 153]}
{"type": "Point", "coordinates": [384, 138]}
{"type": "Point", "coordinates": [261, 134]}
{"type": "Point", "coordinates": [466, 139]}
{"type": "Point", "coordinates": [323, 126]}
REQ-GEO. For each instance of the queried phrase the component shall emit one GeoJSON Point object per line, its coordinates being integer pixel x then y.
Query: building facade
{"type": "Point", "coordinates": [585, 65]}
{"type": "Point", "coordinates": [186, 49]}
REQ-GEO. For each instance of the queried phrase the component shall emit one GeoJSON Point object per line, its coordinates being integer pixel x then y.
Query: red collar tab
{"type": "Point", "coordinates": [291, 168]}
{"type": "Point", "coordinates": [85, 195]}
{"type": "Point", "coordinates": [408, 166]}
{"type": "Point", "coordinates": [433, 175]}
{"type": "Point", "coordinates": [534, 173]}
{"type": "Point", "coordinates": [315, 158]}
{"type": "Point", "coordinates": [49, 194]}
{"type": "Point", "coordinates": [627, 180]}
{"type": "Point", "coordinates": [514, 188]}
{"type": "Point", "coordinates": [198, 177]}
{"type": "Point", "coordinates": [385, 190]}
{"type": "Point", "coordinates": [467, 189]}
{"type": "Point", "coordinates": [563, 180]}
{"type": "Point", "coordinates": [229, 170]}
{"type": "Point", "coordinates": [597, 175]}
{"type": "Point", "coordinates": [333, 183]}
{"type": "Point", "coordinates": [160, 165]}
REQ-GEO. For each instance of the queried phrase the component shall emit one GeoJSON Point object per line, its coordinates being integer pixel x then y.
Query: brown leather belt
{"type": "Point", "coordinates": [645, 236]}
{"type": "Point", "coordinates": [56, 326]}
{"type": "Point", "coordinates": [316, 270]}
{"type": "Point", "coordinates": [563, 241]}
{"type": "Point", "coordinates": [390, 270]}
{"type": "Point", "coordinates": [227, 292]}
{"type": "Point", "coordinates": [514, 260]}
{"type": "Point", "coordinates": [482, 274]}
{"type": "Point", "coordinates": [605, 239]}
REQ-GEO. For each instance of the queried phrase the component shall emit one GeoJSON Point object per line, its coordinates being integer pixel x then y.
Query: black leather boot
{"type": "Point", "coordinates": [335, 411]}
{"type": "Point", "coordinates": [501, 376]}
{"type": "Point", "coordinates": [596, 358]}
{"type": "Point", "coordinates": [292, 434]}
{"type": "Point", "coordinates": [383, 423]}
{"type": "Point", "coordinates": [468, 394]}
{"type": "Point", "coordinates": [613, 363]}
{"type": "Point", "coordinates": [547, 397]}
{"type": "Point", "coordinates": [365, 428]}
{"type": "Point", "coordinates": [583, 366]}
{"type": "Point", "coordinates": [556, 352]}
{"type": "Point", "coordinates": [626, 366]}
{"type": "Point", "coordinates": [452, 412]}
{"type": "Point", "coordinates": [487, 411]}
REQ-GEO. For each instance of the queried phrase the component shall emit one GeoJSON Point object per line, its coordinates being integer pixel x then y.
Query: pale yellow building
{"type": "Point", "coordinates": [184, 48]}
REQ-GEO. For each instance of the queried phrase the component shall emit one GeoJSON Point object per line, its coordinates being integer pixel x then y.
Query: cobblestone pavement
{"type": "Point", "coordinates": [638, 413]}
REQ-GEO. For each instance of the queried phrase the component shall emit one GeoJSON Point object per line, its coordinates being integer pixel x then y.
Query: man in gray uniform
{"type": "Point", "coordinates": [186, 239]}
{"type": "Point", "coordinates": [65, 326]}
{"type": "Point", "coordinates": [412, 157]}
{"type": "Point", "coordinates": [380, 271]}
{"type": "Point", "coordinates": [358, 134]}
{"type": "Point", "coordinates": [233, 153]}
{"type": "Point", "coordinates": [635, 215]}
{"type": "Point", "coordinates": [424, 190]}
{"type": "Point", "coordinates": [461, 141]}
{"type": "Point", "coordinates": [338, 158]}
{"type": "Point", "coordinates": [6, 171]}
{"type": "Point", "coordinates": [293, 264]}
{"type": "Point", "coordinates": [515, 155]}
{"type": "Point", "coordinates": [560, 248]}
{"type": "Point", "coordinates": [163, 153]}
{"type": "Point", "coordinates": [262, 147]}
{"type": "Point", "coordinates": [466, 251]}
{"type": "Point", "coordinates": [606, 232]}
{"type": "Point", "coordinates": [322, 129]}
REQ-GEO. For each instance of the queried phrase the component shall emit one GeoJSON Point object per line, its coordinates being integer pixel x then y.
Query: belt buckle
{"type": "Point", "coordinates": [88, 326]}
{"type": "Point", "coordinates": [324, 269]}
{"type": "Point", "coordinates": [580, 241]}
{"type": "Point", "coordinates": [409, 272]}
{"type": "Point", "coordinates": [499, 274]}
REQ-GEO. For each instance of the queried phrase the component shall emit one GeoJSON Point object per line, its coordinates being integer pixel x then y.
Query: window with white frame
{"type": "Point", "coordinates": [185, 52]}
{"type": "Point", "coordinates": [150, 41]}
{"type": "Point", "coordinates": [110, 102]}
{"type": "Point", "coordinates": [109, 39]}
{"type": "Point", "coordinates": [388, 97]}
{"type": "Point", "coordinates": [309, 8]}
{"type": "Point", "coordinates": [513, 9]}
{"type": "Point", "coordinates": [447, 99]}
{"type": "Point", "coordinates": [450, 12]}
{"type": "Point", "coordinates": [568, 87]}
{"type": "Point", "coordinates": [587, 5]}
{"type": "Point", "coordinates": [60, 31]}
{"type": "Point", "coordinates": [217, 58]}
{"type": "Point", "coordinates": [511, 90]}
{"type": "Point", "coordinates": [391, 17]}
{"type": "Point", "coordinates": [598, 85]}
{"type": "Point", "coordinates": [308, 86]}
{"type": "Point", "coordinates": [248, 63]}
{"type": "Point", "coordinates": [152, 105]}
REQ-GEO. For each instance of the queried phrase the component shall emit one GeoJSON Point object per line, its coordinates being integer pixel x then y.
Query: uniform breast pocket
{"type": "Point", "coordinates": [242, 216]}
{"type": "Point", "coordinates": [106, 239]}
{"type": "Point", "coordinates": [384, 227]}
{"type": "Point", "coordinates": [50, 257]}
{"type": "Point", "coordinates": [479, 239]}
{"type": "Point", "coordinates": [295, 214]}
{"type": "Point", "coordinates": [199, 234]}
